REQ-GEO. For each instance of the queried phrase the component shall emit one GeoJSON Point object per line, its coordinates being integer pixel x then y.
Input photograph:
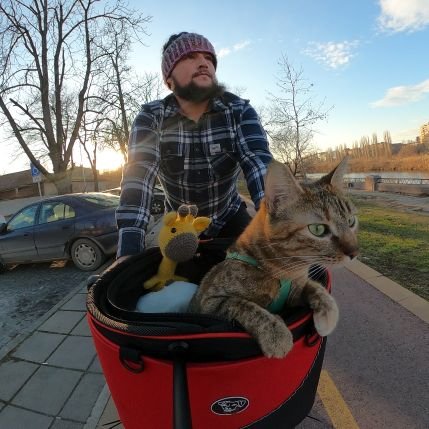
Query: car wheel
{"type": "Point", "coordinates": [157, 207]}
{"type": "Point", "coordinates": [86, 255]}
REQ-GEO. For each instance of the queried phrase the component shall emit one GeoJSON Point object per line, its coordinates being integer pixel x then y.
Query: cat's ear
{"type": "Point", "coordinates": [335, 177]}
{"type": "Point", "coordinates": [280, 183]}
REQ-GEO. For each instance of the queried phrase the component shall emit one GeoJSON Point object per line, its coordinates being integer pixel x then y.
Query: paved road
{"type": "Point", "coordinates": [28, 291]}
{"type": "Point", "coordinates": [378, 357]}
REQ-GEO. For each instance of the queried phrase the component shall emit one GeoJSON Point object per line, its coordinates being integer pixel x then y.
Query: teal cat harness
{"type": "Point", "coordinates": [285, 285]}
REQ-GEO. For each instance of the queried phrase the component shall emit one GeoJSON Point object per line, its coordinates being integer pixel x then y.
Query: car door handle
{"type": "Point", "coordinates": [66, 227]}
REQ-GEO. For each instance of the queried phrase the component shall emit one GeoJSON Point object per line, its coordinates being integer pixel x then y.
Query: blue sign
{"type": "Point", "coordinates": [34, 170]}
{"type": "Point", "coordinates": [35, 174]}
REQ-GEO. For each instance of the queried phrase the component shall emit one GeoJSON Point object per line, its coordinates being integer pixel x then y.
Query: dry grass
{"type": "Point", "coordinates": [393, 163]}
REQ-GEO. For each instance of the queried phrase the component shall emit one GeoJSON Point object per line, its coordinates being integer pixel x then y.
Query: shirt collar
{"type": "Point", "coordinates": [172, 107]}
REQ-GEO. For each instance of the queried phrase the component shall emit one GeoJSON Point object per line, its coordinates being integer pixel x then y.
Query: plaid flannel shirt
{"type": "Point", "coordinates": [197, 163]}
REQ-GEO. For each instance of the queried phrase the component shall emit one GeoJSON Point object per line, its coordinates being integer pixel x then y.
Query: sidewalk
{"type": "Point", "coordinates": [51, 378]}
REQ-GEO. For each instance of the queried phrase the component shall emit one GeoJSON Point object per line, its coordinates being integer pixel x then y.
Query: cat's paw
{"type": "Point", "coordinates": [275, 339]}
{"type": "Point", "coordinates": [325, 315]}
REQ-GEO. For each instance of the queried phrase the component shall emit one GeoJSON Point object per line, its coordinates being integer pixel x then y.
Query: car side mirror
{"type": "Point", "coordinates": [3, 228]}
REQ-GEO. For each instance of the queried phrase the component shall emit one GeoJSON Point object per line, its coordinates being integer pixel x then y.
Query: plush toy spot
{"type": "Point", "coordinates": [182, 247]}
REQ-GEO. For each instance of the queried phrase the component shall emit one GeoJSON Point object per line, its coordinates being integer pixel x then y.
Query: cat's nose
{"type": "Point", "coordinates": [350, 250]}
{"type": "Point", "coordinates": [353, 254]}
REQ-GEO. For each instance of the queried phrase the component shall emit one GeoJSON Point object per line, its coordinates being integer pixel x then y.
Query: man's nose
{"type": "Point", "coordinates": [203, 61]}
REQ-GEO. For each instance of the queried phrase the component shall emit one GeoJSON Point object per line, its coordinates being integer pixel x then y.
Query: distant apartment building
{"type": "Point", "coordinates": [424, 134]}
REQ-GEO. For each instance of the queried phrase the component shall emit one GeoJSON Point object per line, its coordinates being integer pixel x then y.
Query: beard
{"type": "Point", "coordinates": [197, 94]}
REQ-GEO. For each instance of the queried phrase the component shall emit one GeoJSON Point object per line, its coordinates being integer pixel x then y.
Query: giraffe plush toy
{"type": "Point", "coordinates": [178, 242]}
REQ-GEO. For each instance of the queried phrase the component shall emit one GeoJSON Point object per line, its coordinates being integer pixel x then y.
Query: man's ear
{"type": "Point", "coordinates": [169, 83]}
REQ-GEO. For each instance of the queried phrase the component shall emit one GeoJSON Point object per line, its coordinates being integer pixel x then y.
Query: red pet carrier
{"type": "Point", "coordinates": [196, 371]}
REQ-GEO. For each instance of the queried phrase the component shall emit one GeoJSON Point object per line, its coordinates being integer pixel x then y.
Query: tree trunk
{"type": "Point", "coordinates": [95, 174]}
{"type": "Point", "coordinates": [63, 183]}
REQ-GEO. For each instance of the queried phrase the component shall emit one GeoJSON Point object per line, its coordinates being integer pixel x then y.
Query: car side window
{"type": "Point", "coordinates": [52, 212]}
{"type": "Point", "coordinates": [69, 212]}
{"type": "Point", "coordinates": [23, 219]}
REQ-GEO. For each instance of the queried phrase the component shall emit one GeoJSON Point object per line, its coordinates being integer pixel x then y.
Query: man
{"type": "Point", "coordinates": [195, 140]}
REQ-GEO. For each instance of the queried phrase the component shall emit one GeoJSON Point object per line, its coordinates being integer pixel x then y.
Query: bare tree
{"type": "Point", "coordinates": [116, 96]}
{"type": "Point", "coordinates": [374, 145]}
{"type": "Point", "coordinates": [387, 143]}
{"type": "Point", "coordinates": [89, 141]}
{"type": "Point", "coordinates": [293, 117]}
{"type": "Point", "coordinates": [120, 92]}
{"type": "Point", "coordinates": [118, 105]}
{"type": "Point", "coordinates": [49, 57]}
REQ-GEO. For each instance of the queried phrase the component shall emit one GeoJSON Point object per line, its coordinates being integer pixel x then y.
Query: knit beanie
{"type": "Point", "coordinates": [182, 46]}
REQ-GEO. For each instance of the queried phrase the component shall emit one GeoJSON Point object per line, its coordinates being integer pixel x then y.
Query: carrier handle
{"type": "Point", "coordinates": [181, 407]}
{"type": "Point", "coordinates": [126, 355]}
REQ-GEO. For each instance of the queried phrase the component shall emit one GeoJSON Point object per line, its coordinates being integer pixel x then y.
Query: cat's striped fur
{"type": "Point", "coordinates": [297, 226]}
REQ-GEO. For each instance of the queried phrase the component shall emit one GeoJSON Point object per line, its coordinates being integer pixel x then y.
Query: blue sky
{"type": "Point", "coordinates": [367, 58]}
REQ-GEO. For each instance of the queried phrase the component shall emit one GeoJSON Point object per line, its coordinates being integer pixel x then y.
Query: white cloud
{"type": "Point", "coordinates": [229, 50]}
{"type": "Point", "coordinates": [400, 95]}
{"type": "Point", "coordinates": [224, 52]}
{"type": "Point", "coordinates": [332, 54]}
{"type": "Point", "coordinates": [403, 15]}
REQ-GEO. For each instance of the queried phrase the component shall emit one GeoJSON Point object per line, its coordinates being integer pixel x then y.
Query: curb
{"type": "Point", "coordinates": [405, 298]}
{"type": "Point", "coordinates": [98, 409]}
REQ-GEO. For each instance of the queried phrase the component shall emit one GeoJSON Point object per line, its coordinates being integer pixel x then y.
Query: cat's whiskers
{"type": "Point", "coordinates": [299, 266]}
{"type": "Point", "coordinates": [293, 275]}
{"type": "Point", "coordinates": [292, 257]}
{"type": "Point", "coordinates": [300, 262]}
{"type": "Point", "coordinates": [291, 269]}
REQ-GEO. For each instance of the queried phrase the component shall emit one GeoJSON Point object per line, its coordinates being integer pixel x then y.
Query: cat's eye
{"type": "Point", "coordinates": [351, 221]}
{"type": "Point", "coordinates": [318, 229]}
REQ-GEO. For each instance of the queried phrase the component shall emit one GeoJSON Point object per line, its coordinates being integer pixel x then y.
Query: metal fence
{"type": "Point", "coordinates": [394, 180]}
{"type": "Point", "coordinates": [403, 181]}
{"type": "Point", "coordinates": [354, 179]}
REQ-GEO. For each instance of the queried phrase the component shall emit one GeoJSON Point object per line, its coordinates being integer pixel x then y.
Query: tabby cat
{"type": "Point", "coordinates": [296, 227]}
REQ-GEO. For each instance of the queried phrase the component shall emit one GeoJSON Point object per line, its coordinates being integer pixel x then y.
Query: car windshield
{"type": "Point", "coordinates": [102, 200]}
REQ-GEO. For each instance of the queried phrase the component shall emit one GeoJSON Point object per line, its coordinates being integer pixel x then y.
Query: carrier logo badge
{"type": "Point", "coordinates": [230, 405]}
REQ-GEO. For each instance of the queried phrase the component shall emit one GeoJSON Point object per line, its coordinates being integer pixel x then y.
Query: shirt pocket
{"type": "Point", "coordinates": [225, 162]}
{"type": "Point", "coordinates": [172, 159]}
